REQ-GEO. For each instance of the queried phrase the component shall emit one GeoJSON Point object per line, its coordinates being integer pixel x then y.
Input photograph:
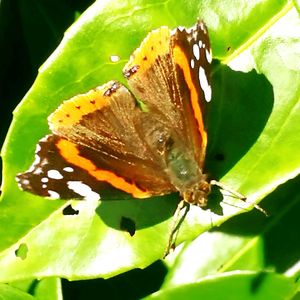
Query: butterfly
{"type": "Point", "coordinates": [147, 140]}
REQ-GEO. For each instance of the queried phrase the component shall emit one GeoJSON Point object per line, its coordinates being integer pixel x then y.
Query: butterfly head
{"type": "Point", "coordinates": [197, 193]}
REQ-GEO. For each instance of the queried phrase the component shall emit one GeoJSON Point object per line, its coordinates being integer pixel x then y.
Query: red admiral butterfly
{"type": "Point", "coordinates": [107, 137]}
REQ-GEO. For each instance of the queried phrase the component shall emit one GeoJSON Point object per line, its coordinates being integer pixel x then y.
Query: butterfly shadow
{"type": "Point", "coordinates": [129, 214]}
{"type": "Point", "coordinates": [238, 113]}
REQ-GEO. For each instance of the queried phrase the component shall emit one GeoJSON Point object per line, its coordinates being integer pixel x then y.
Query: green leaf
{"type": "Point", "coordinates": [233, 285]}
{"type": "Point", "coordinates": [48, 289]}
{"type": "Point", "coordinates": [91, 244]}
{"type": "Point", "coordinates": [45, 289]}
{"type": "Point", "coordinates": [8, 292]}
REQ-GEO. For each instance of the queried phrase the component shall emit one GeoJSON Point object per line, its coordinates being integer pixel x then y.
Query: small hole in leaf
{"type": "Point", "coordinates": [22, 251]}
{"type": "Point", "coordinates": [258, 281]}
{"type": "Point", "coordinates": [128, 225]}
{"type": "Point", "coordinates": [114, 58]}
{"type": "Point", "coordinates": [70, 211]}
{"type": "Point", "coordinates": [219, 156]}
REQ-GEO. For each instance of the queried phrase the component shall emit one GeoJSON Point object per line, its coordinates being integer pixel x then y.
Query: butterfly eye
{"type": "Point", "coordinates": [161, 144]}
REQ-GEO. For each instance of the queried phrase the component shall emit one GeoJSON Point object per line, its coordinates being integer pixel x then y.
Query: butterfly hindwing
{"type": "Point", "coordinates": [65, 170]}
{"type": "Point", "coordinates": [52, 176]}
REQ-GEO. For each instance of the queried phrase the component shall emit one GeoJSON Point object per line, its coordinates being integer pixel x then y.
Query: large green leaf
{"type": "Point", "coordinates": [251, 124]}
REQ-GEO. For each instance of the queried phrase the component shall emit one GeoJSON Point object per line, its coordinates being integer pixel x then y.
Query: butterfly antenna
{"type": "Point", "coordinates": [176, 223]}
{"type": "Point", "coordinates": [238, 195]}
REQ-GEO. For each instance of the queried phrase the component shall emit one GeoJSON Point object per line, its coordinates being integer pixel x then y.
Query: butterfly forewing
{"type": "Point", "coordinates": [192, 58]}
{"type": "Point", "coordinates": [164, 74]}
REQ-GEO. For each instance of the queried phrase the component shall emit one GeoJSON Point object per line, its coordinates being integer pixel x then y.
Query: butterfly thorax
{"type": "Point", "coordinates": [186, 175]}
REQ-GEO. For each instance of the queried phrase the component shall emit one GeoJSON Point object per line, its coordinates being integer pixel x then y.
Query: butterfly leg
{"type": "Point", "coordinates": [236, 194]}
{"type": "Point", "coordinates": [178, 218]}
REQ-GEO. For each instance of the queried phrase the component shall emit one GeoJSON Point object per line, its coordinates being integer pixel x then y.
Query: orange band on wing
{"type": "Point", "coordinates": [71, 111]}
{"type": "Point", "coordinates": [182, 61]}
{"type": "Point", "coordinates": [71, 154]}
{"type": "Point", "coordinates": [155, 44]}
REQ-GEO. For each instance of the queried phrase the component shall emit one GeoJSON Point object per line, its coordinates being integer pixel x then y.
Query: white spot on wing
{"type": "Point", "coordinates": [37, 159]}
{"type": "Point", "coordinates": [38, 171]}
{"type": "Point", "coordinates": [208, 55]}
{"type": "Point", "coordinates": [44, 161]}
{"type": "Point", "coordinates": [196, 51]}
{"type": "Point", "coordinates": [44, 139]}
{"type": "Point", "coordinates": [44, 179]}
{"type": "Point", "coordinates": [44, 186]}
{"type": "Point", "coordinates": [192, 63]}
{"type": "Point", "coordinates": [200, 44]}
{"type": "Point", "coordinates": [25, 181]}
{"type": "Point", "coordinates": [54, 174]}
{"type": "Point", "coordinates": [83, 190]}
{"type": "Point", "coordinates": [189, 30]}
{"type": "Point", "coordinates": [180, 28]}
{"type": "Point", "coordinates": [53, 195]}
{"type": "Point", "coordinates": [68, 169]}
{"type": "Point", "coordinates": [204, 84]}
